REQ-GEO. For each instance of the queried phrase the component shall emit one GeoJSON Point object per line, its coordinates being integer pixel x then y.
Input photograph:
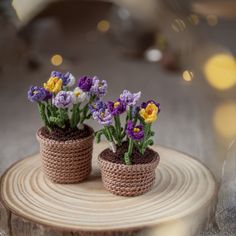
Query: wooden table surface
{"type": "Point", "coordinates": [181, 200]}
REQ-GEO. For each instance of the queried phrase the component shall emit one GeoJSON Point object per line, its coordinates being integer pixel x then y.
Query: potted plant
{"type": "Point", "coordinates": [128, 166]}
{"type": "Point", "coordinates": [66, 143]}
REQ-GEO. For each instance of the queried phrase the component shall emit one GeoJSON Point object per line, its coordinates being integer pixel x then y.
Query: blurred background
{"type": "Point", "coordinates": [179, 52]}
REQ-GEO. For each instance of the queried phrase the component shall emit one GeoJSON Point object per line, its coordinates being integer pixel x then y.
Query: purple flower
{"type": "Point", "coordinates": [85, 83]}
{"type": "Point", "coordinates": [36, 94]}
{"type": "Point", "coordinates": [68, 79]}
{"type": "Point", "coordinates": [135, 111]}
{"type": "Point", "coordinates": [57, 74]}
{"type": "Point", "coordinates": [130, 98]}
{"type": "Point", "coordinates": [63, 99]}
{"type": "Point", "coordinates": [48, 95]}
{"type": "Point", "coordinates": [103, 116]}
{"type": "Point", "coordinates": [116, 108]}
{"type": "Point", "coordinates": [144, 105]}
{"type": "Point", "coordinates": [99, 88]}
{"type": "Point", "coordinates": [97, 105]}
{"type": "Point", "coordinates": [134, 132]}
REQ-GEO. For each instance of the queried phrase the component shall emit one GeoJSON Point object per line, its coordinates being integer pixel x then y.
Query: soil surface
{"type": "Point", "coordinates": [58, 134]}
{"type": "Point", "coordinates": [136, 157]}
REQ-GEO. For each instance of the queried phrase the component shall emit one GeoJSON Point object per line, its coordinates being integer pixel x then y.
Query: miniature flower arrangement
{"type": "Point", "coordinates": [128, 166]}
{"type": "Point", "coordinates": [66, 143]}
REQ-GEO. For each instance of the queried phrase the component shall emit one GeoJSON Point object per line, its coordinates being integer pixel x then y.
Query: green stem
{"type": "Point", "coordinates": [84, 115]}
{"type": "Point", "coordinates": [41, 108]}
{"type": "Point", "coordinates": [75, 118]}
{"type": "Point", "coordinates": [147, 134]}
{"type": "Point", "coordinates": [128, 117]}
{"type": "Point", "coordinates": [128, 154]}
{"type": "Point", "coordinates": [63, 117]}
{"type": "Point", "coordinates": [118, 129]}
{"type": "Point", "coordinates": [130, 113]}
{"type": "Point", "coordinates": [109, 134]}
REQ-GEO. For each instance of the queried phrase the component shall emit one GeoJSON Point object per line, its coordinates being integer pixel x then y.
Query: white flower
{"type": "Point", "coordinates": [70, 79]}
{"type": "Point", "coordinates": [79, 95]}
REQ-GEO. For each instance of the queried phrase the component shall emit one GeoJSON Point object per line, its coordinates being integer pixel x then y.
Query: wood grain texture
{"type": "Point", "coordinates": [184, 190]}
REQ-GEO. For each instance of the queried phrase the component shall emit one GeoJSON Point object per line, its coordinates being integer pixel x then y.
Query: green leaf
{"type": "Point", "coordinates": [42, 112]}
{"type": "Point", "coordinates": [127, 159]}
{"type": "Point", "coordinates": [98, 135]}
{"type": "Point", "coordinates": [56, 121]}
{"type": "Point", "coordinates": [149, 142]}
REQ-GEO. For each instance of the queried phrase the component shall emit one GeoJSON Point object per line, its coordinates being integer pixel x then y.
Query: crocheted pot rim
{"type": "Point", "coordinates": [156, 159]}
{"type": "Point", "coordinates": [42, 138]}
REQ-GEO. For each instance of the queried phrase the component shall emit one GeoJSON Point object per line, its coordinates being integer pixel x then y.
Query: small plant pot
{"type": "Point", "coordinates": [66, 162]}
{"type": "Point", "coordinates": [128, 180]}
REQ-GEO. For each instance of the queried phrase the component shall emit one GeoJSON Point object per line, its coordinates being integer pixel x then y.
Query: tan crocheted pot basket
{"type": "Point", "coordinates": [66, 162]}
{"type": "Point", "coordinates": [128, 180]}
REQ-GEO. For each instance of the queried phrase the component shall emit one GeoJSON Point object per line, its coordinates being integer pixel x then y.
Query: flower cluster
{"type": "Point", "coordinates": [64, 103]}
{"type": "Point", "coordinates": [137, 128]}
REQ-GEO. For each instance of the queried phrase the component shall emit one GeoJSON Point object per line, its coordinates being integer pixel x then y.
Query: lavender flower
{"type": "Point", "coordinates": [97, 105]}
{"type": "Point", "coordinates": [57, 74]}
{"type": "Point", "coordinates": [68, 79]}
{"type": "Point", "coordinates": [135, 111]}
{"type": "Point", "coordinates": [64, 99]}
{"type": "Point", "coordinates": [134, 132]}
{"type": "Point", "coordinates": [99, 88]}
{"type": "Point", "coordinates": [85, 83]}
{"type": "Point", "coordinates": [130, 98]}
{"type": "Point", "coordinates": [37, 94]}
{"type": "Point", "coordinates": [144, 104]}
{"type": "Point", "coordinates": [116, 108]}
{"type": "Point", "coordinates": [103, 116]}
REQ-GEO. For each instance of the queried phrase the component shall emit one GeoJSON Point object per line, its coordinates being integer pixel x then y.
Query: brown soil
{"type": "Point", "coordinates": [136, 157]}
{"type": "Point", "coordinates": [58, 134]}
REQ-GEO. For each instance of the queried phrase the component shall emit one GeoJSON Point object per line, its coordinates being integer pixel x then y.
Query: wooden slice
{"type": "Point", "coordinates": [181, 199]}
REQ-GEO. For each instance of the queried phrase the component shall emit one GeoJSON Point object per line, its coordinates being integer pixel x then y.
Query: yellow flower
{"type": "Point", "coordinates": [53, 85]}
{"type": "Point", "coordinates": [149, 114]}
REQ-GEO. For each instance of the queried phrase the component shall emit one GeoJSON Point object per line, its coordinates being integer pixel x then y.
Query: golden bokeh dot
{"type": "Point", "coordinates": [224, 119]}
{"type": "Point", "coordinates": [212, 20]}
{"type": "Point", "coordinates": [187, 75]}
{"type": "Point", "coordinates": [178, 25]}
{"type": "Point", "coordinates": [220, 71]}
{"type": "Point", "coordinates": [194, 19]}
{"type": "Point", "coordinates": [103, 26]}
{"type": "Point", "coordinates": [56, 60]}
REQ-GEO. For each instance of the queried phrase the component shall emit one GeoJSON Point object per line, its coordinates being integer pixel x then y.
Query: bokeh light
{"type": "Point", "coordinates": [123, 13]}
{"type": "Point", "coordinates": [194, 19]}
{"type": "Point", "coordinates": [103, 26]}
{"type": "Point", "coordinates": [224, 119]}
{"type": "Point", "coordinates": [212, 20]}
{"type": "Point", "coordinates": [187, 75]}
{"type": "Point", "coordinates": [220, 71]}
{"type": "Point", "coordinates": [56, 60]}
{"type": "Point", "coordinates": [153, 55]}
{"type": "Point", "coordinates": [178, 25]}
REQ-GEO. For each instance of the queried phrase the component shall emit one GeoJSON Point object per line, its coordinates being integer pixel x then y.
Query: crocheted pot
{"type": "Point", "coordinates": [128, 180]}
{"type": "Point", "coordinates": [66, 162]}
